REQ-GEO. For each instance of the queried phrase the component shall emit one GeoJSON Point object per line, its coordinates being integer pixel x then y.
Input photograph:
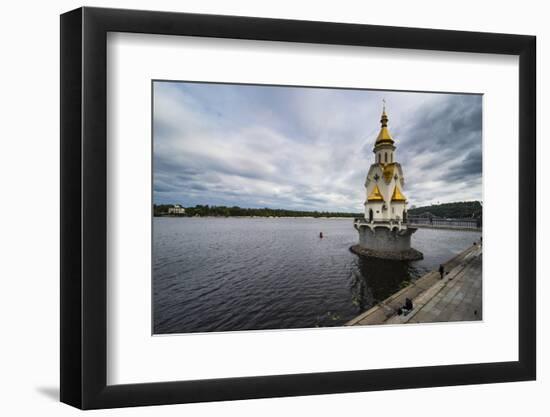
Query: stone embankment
{"type": "Point", "coordinates": [455, 297]}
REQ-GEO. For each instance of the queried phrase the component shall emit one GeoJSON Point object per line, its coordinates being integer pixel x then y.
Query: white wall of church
{"type": "Point", "coordinates": [393, 210]}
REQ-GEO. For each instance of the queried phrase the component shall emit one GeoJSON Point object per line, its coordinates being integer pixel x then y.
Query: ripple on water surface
{"type": "Point", "coordinates": [226, 274]}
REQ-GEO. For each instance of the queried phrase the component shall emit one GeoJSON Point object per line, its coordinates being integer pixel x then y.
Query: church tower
{"type": "Point", "coordinates": [384, 232]}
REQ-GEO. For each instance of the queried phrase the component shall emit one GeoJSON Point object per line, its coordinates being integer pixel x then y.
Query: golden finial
{"type": "Point", "coordinates": [384, 135]}
{"type": "Point", "coordinates": [384, 119]}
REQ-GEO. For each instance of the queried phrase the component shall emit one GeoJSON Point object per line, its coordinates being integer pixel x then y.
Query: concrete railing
{"type": "Point", "coordinates": [464, 223]}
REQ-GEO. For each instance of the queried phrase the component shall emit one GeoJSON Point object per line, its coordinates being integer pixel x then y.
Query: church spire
{"type": "Point", "coordinates": [384, 136]}
{"type": "Point", "coordinates": [384, 119]}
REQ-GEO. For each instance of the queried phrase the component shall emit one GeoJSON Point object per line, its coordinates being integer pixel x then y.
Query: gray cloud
{"type": "Point", "coordinates": [307, 148]}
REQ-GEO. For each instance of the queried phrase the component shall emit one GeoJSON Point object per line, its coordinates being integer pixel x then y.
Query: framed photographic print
{"type": "Point", "coordinates": [258, 207]}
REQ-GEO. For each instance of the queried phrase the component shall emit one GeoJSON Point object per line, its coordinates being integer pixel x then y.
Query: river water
{"type": "Point", "coordinates": [227, 274]}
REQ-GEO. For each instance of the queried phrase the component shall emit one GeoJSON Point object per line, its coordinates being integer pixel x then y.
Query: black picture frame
{"type": "Point", "coordinates": [84, 207]}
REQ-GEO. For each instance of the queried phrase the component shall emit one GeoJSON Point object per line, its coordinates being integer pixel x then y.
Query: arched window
{"type": "Point", "coordinates": [379, 156]}
{"type": "Point", "coordinates": [391, 157]}
{"type": "Point", "coordinates": [385, 157]}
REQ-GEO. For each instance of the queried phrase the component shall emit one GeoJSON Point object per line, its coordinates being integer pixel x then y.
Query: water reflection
{"type": "Point", "coordinates": [374, 280]}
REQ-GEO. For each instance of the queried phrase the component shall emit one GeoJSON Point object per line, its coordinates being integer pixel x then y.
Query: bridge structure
{"type": "Point", "coordinates": [467, 223]}
{"type": "Point", "coordinates": [433, 222]}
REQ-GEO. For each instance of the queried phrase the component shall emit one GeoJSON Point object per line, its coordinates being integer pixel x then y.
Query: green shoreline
{"type": "Point", "coordinates": [256, 217]}
{"type": "Point", "coordinates": [462, 209]}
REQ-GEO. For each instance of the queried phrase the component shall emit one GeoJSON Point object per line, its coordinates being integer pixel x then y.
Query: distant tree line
{"type": "Point", "coordinates": [463, 209]}
{"type": "Point", "coordinates": [224, 211]}
{"type": "Point", "coordinates": [457, 210]}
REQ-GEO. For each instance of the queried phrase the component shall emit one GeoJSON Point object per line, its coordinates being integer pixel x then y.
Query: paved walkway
{"type": "Point", "coordinates": [456, 297]}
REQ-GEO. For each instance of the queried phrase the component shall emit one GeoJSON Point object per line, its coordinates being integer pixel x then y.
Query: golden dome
{"type": "Point", "coordinates": [375, 195]}
{"type": "Point", "coordinates": [397, 195]}
{"type": "Point", "coordinates": [384, 136]}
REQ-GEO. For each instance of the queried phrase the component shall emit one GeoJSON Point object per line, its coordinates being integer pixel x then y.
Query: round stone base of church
{"type": "Point", "coordinates": [410, 254]}
{"type": "Point", "coordinates": [383, 242]}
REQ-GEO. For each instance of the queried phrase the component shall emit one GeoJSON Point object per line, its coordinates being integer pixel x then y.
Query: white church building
{"type": "Point", "coordinates": [383, 232]}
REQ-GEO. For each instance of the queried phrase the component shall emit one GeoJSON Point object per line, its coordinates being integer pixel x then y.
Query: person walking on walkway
{"type": "Point", "coordinates": [441, 271]}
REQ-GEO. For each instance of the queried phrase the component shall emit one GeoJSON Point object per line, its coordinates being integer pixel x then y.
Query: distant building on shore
{"type": "Point", "coordinates": [176, 209]}
{"type": "Point", "coordinates": [384, 231]}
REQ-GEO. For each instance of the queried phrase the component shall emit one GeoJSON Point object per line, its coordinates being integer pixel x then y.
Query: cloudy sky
{"type": "Point", "coordinates": [308, 148]}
